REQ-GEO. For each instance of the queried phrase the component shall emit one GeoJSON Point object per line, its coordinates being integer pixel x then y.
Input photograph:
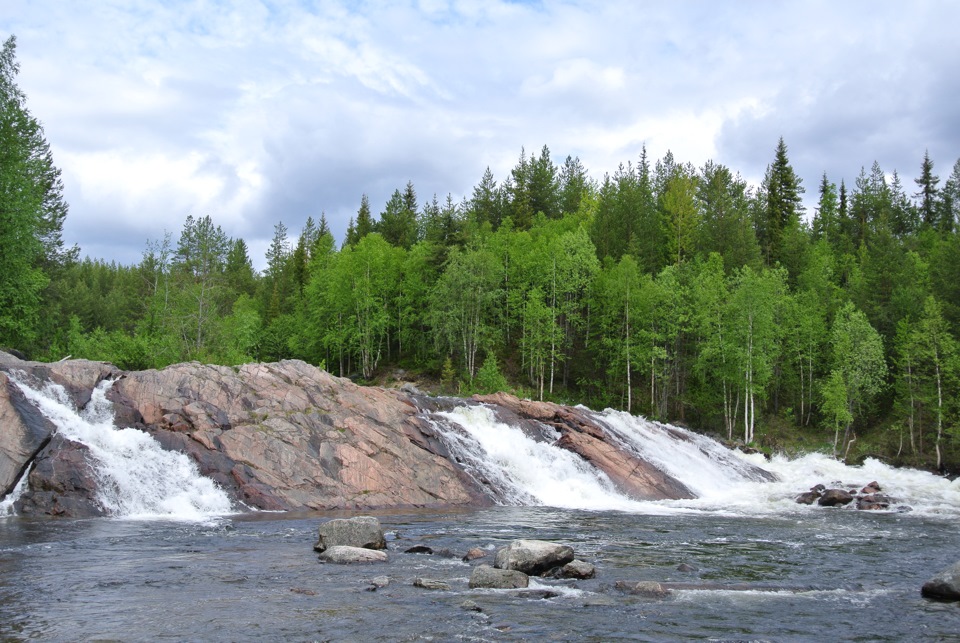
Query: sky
{"type": "Point", "coordinates": [256, 112]}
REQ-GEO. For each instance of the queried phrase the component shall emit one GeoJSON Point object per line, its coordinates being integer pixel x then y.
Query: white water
{"type": "Point", "coordinates": [524, 471]}
{"type": "Point", "coordinates": [136, 477]}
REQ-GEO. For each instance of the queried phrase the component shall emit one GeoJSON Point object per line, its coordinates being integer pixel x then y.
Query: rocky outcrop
{"type": "Point", "coordinates": [62, 482]}
{"type": "Point", "coordinates": [288, 436]}
{"type": "Point", "coordinates": [944, 586]}
{"type": "Point", "coordinates": [869, 498]}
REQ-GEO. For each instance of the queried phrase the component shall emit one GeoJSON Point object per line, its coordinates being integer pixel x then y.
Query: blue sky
{"type": "Point", "coordinates": [257, 112]}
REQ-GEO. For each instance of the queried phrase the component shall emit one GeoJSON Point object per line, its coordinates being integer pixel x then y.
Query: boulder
{"type": "Point", "coordinates": [835, 498]}
{"type": "Point", "coordinates": [808, 497]}
{"type": "Point", "coordinates": [360, 532]}
{"type": "Point", "coordinates": [533, 557]}
{"type": "Point", "coordinates": [418, 549]}
{"type": "Point", "coordinates": [871, 488]}
{"type": "Point", "coordinates": [487, 577]}
{"type": "Point", "coordinates": [345, 555]}
{"type": "Point", "coordinates": [944, 586]}
{"type": "Point", "coordinates": [577, 569]}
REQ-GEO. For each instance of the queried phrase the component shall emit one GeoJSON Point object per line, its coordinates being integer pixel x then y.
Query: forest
{"type": "Point", "coordinates": [677, 292]}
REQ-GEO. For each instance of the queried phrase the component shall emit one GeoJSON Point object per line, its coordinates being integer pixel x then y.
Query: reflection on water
{"type": "Point", "coordinates": [817, 575]}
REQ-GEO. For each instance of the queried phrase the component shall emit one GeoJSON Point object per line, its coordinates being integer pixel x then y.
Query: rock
{"type": "Point", "coordinates": [684, 567]}
{"type": "Point", "coordinates": [808, 497]}
{"type": "Point", "coordinates": [818, 489]}
{"type": "Point", "coordinates": [533, 556]}
{"type": "Point", "coordinates": [487, 577]}
{"type": "Point", "coordinates": [470, 606]}
{"type": "Point", "coordinates": [62, 483]}
{"type": "Point", "coordinates": [361, 531]}
{"type": "Point", "coordinates": [296, 437]}
{"type": "Point", "coordinates": [429, 583]}
{"type": "Point", "coordinates": [474, 553]}
{"type": "Point", "coordinates": [944, 586]}
{"type": "Point", "coordinates": [418, 549]}
{"type": "Point", "coordinates": [873, 502]}
{"type": "Point", "coordinates": [377, 582]}
{"type": "Point", "coordinates": [646, 588]}
{"type": "Point", "coordinates": [344, 555]}
{"type": "Point", "coordinates": [577, 569]}
{"type": "Point", "coordinates": [871, 488]}
{"type": "Point", "coordinates": [835, 498]}
{"type": "Point", "coordinates": [540, 594]}
{"type": "Point", "coordinates": [23, 432]}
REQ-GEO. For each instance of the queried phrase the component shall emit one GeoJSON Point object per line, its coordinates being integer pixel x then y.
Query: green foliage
{"type": "Point", "coordinates": [489, 379]}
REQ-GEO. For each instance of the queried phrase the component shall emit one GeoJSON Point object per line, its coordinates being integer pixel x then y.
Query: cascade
{"type": "Point", "coordinates": [136, 477]}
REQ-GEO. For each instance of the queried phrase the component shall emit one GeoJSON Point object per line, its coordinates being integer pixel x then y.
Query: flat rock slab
{"type": "Point", "coordinates": [345, 555]}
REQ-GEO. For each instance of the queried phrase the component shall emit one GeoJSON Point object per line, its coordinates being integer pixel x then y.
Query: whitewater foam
{"type": "Point", "coordinates": [136, 477]}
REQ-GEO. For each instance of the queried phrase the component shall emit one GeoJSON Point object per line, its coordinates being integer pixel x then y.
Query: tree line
{"type": "Point", "coordinates": [679, 292]}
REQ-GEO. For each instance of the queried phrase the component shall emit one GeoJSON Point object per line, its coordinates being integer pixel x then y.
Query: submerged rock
{"type": "Point", "coordinates": [533, 556]}
{"type": "Point", "coordinates": [430, 583]}
{"type": "Point", "coordinates": [487, 577]}
{"type": "Point", "coordinates": [474, 553]}
{"type": "Point", "coordinates": [360, 531]}
{"type": "Point", "coordinates": [576, 569]}
{"type": "Point", "coordinates": [944, 586]}
{"type": "Point", "coordinates": [345, 555]}
{"type": "Point", "coordinates": [646, 588]}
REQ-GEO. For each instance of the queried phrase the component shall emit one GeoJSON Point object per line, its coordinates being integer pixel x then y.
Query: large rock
{"type": "Point", "coordinates": [290, 436]}
{"type": "Point", "coordinates": [346, 555]}
{"type": "Point", "coordinates": [835, 498]}
{"type": "Point", "coordinates": [62, 482]}
{"type": "Point", "coordinates": [945, 585]}
{"type": "Point", "coordinates": [487, 577]}
{"type": "Point", "coordinates": [533, 557]}
{"type": "Point", "coordinates": [23, 432]}
{"type": "Point", "coordinates": [361, 531]}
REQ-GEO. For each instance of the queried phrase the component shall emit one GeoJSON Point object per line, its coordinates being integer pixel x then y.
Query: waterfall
{"type": "Point", "coordinates": [521, 469]}
{"type": "Point", "coordinates": [136, 477]}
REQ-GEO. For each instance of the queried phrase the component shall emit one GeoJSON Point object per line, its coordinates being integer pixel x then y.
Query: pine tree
{"type": "Point", "coordinates": [928, 192]}
{"type": "Point", "coordinates": [784, 206]}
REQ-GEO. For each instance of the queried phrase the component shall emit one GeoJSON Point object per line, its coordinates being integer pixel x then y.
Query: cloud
{"type": "Point", "coordinates": [256, 112]}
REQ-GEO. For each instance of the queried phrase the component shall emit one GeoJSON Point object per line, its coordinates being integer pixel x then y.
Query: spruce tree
{"type": "Point", "coordinates": [928, 192]}
{"type": "Point", "coordinates": [783, 203]}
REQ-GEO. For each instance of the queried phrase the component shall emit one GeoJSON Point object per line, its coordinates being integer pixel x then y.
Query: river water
{"type": "Point", "coordinates": [755, 565]}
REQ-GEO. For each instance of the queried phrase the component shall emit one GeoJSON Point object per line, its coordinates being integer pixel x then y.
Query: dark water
{"type": "Point", "coordinates": [811, 575]}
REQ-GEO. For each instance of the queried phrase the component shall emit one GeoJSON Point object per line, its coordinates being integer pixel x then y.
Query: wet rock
{"type": "Point", "coordinates": [540, 594]}
{"type": "Point", "coordinates": [684, 567]}
{"type": "Point", "coordinates": [62, 482]}
{"type": "Point", "coordinates": [871, 488]}
{"type": "Point", "coordinates": [360, 531]}
{"type": "Point", "coordinates": [487, 577]}
{"type": "Point", "coordinates": [378, 582]}
{"type": "Point", "coordinates": [345, 555]}
{"type": "Point", "coordinates": [23, 432]}
{"type": "Point", "coordinates": [645, 588]}
{"type": "Point", "coordinates": [533, 556]}
{"type": "Point", "coordinates": [474, 553]}
{"type": "Point", "coordinates": [874, 502]}
{"type": "Point", "coordinates": [808, 498]}
{"type": "Point", "coordinates": [835, 498]}
{"type": "Point", "coordinates": [470, 606]}
{"type": "Point", "coordinates": [576, 569]}
{"type": "Point", "coordinates": [418, 549]}
{"type": "Point", "coordinates": [944, 586]}
{"type": "Point", "coordinates": [430, 583]}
